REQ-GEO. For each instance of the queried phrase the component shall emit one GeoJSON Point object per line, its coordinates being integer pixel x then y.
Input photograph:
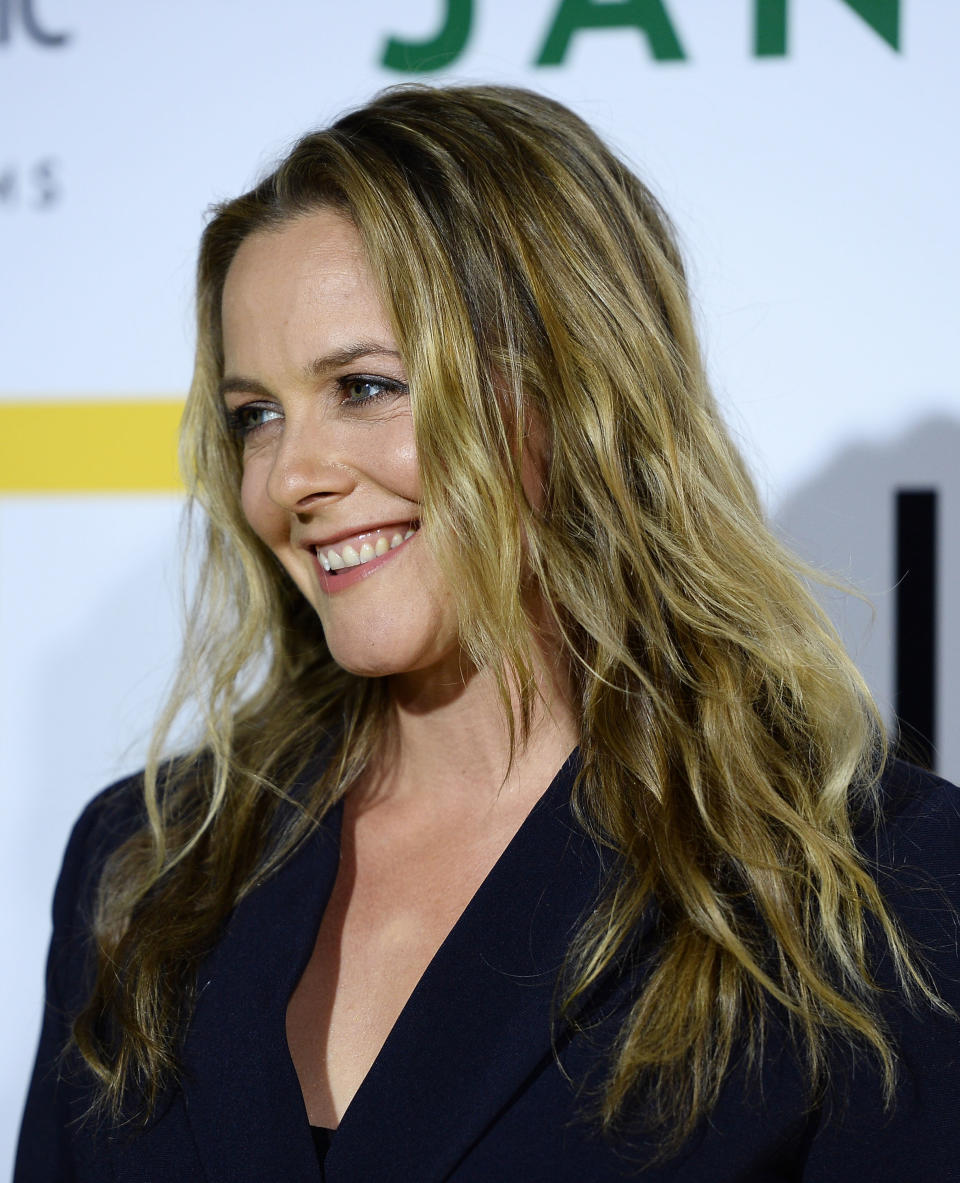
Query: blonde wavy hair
{"type": "Point", "coordinates": [726, 742]}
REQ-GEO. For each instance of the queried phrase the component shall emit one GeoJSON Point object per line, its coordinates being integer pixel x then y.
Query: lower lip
{"type": "Point", "coordinates": [348, 577]}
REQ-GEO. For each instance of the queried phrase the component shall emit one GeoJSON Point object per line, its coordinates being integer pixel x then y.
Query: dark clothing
{"type": "Point", "coordinates": [321, 1142]}
{"type": "Point", "coordinates": [467, 1086]}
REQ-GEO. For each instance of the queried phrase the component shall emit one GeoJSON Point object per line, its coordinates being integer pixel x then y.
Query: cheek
{"type": "Point", "coordinates": [405, 456]}
{"type": "Point", "coordinates": [264, 517]}
{"type": "Point", "coordinates": [394, 465]}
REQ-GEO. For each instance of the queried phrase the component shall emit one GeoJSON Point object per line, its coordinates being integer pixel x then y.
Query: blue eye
{"type": "Point", "coordinates": [358, 389]}
{"type": "Point", "coordinates": [247, 418]}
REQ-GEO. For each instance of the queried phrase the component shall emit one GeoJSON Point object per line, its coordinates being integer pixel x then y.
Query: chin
{"type": "Point", "coordinates": [382, 661]}
{"type": "Point", "coordinates": [369, 659]}
{"type": "Point", "coordinates": [396, 641]}
{"type": "Point", "coordinates": [363, 667]}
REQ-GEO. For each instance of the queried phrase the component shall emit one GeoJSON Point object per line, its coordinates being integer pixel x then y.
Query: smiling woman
{"type": "Point", "coordinates": [539, 829]}
{"type": "Point", "coordinates": [330, 473]}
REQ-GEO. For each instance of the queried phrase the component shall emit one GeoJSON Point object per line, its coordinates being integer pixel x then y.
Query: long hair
{"type": "Point", "coordinates": [726, 739]}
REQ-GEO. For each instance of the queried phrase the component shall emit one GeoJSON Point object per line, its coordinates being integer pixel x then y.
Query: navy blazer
{"type": "Point", "coordinates": [469, 1085]}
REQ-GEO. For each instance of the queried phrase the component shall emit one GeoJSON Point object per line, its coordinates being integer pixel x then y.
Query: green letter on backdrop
{"type": "Point", "coordinates": [649, 16]}
{"type": "Point", "coordinates": [770, 23]}
{"type": "Point", "coordinates": [419, 57]}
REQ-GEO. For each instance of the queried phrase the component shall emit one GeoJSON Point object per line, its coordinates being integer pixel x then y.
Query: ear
{"type": "Point", "coordinates": [534, 458]}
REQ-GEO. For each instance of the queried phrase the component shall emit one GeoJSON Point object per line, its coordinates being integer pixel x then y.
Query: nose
{"type": "Point", "coordinates": [307, 467]}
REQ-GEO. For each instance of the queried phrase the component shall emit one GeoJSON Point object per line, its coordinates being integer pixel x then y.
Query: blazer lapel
{"type": "Point", "coordinates": [476, 1026]}
{"type": "Point", "coordinates": [479, 1020]}
{"type": "Point", "coordinates": [241, 1091]}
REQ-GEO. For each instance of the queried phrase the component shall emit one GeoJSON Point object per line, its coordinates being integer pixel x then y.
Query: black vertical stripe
{"type": "Point", "coordinates": [916, 623]}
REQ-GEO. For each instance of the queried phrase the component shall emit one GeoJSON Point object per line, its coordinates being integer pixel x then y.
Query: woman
{"type": "Point", "coordinates": [540, 828]}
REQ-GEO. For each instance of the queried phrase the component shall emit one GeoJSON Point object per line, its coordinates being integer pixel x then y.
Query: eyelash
{"type": "Point", "coordinates": [239, 425]}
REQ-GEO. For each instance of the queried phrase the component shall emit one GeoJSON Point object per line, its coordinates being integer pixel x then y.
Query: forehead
{"type": "Point", "coordinates": [300, 288]}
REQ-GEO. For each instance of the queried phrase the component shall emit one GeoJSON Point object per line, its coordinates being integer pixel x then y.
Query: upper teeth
{"type": "Point", "coordinates": [344, 555]}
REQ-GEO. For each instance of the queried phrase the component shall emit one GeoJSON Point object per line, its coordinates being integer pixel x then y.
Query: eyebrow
{"type": "Point", "coordinates": [336, 359]}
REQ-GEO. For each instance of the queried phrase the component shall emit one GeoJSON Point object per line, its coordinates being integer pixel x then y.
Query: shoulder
{"type": "Point", "coordinates": [107, 821]}
{"type": "Point", "coordinates": [114, 815]}
{"type": "Point", "coordinates": [111, 817]}
{"type": "Point", "coordinates": [910, 836]}
{"type": "Point", "coordinates": [914, 802]}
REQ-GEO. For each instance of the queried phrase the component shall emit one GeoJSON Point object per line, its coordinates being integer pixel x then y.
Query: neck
{"type": "Point", "coordinates": [452, 735]}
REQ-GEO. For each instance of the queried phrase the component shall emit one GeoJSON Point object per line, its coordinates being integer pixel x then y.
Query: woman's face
{"type": "Point", "coordinates": [317, 391]}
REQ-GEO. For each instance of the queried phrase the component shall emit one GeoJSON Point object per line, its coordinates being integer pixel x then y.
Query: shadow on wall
{"type": "Point", "coordinates": [843, 521]}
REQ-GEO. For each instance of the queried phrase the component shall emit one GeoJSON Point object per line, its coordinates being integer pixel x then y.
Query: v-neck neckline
{"type": "Point", "coordinates": [476, 1023]}
{"type": "Point", "coordinates": [562, 778]}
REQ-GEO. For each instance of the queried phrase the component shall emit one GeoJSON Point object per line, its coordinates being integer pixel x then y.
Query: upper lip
{"type": "Point", "coordinates": [354, 532]}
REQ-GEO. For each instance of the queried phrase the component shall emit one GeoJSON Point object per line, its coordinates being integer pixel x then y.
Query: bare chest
{"type": "Point", "coordinates": [395, 900]}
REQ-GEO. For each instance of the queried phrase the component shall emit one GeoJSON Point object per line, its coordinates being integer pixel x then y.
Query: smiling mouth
{"type": "Point", "coordinates": [363, 549]}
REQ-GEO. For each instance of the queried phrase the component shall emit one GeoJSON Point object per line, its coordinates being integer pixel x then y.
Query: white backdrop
{"type": "Point", "coordinates": [815, 192]}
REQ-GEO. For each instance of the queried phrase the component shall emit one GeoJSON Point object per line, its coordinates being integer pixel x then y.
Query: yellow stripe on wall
{"type": "Point", "coordinates": [127, 446]}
